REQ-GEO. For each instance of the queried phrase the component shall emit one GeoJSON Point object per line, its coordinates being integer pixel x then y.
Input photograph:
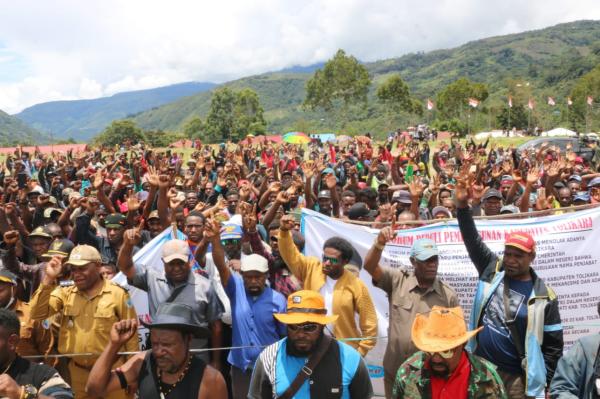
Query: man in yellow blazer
{"type": "Point", "coordinates": [345, 294]}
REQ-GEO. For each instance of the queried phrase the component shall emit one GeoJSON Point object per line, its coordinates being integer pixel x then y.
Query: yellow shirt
{"type": "Point", "coordinates": [36, 336]}
{"type": "Point", "coordinates": [350, 295]}
{"type": "Point", "coordinates": [85, 323]}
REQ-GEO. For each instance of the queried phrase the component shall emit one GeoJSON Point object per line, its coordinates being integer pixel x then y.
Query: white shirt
{"type": "Point", "coordinates": [327, 292]}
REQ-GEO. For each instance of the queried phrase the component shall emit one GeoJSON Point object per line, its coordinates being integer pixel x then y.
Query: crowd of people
{"type": "Point", "coordinates": [238, 311]}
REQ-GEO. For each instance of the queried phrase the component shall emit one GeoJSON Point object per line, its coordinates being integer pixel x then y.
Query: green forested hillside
{"type": "Point", "coordinates": [14, 131]}
{"type": "Point", "coordinates": [82, 119]}
{"type": "Point", "coordinates": [537, 64]}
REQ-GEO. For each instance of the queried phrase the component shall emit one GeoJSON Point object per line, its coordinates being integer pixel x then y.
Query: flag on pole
{"type": "Point", "coordinates": [551, 101]}
{"type": "Point", "coordinates": [509, 102]}
{"type": "Point", "coordinates": [569, 101]}
{"type": "Point", "coordinates": [473, 102]}
{"type": "Point", "coordinates": [429, 104]}
{"type": "Point", "coordinates": [590, 100]}
{"type": "Point", "coordinates": [530, 104]}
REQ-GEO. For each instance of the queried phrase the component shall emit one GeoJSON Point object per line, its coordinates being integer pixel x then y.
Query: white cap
{"type": "Point", "coordinates": [175, 249]}
{"type": "Point", "coordinates": [256, 263]}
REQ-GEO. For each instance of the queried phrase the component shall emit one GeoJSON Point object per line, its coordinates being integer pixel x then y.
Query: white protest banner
{"type": "Point", "coordinates": [567, 246]}
{"type": "Point", "coordinates": [149, 255]}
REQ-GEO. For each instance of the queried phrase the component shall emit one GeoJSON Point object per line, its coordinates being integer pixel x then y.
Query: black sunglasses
{"type": "Point", "coordinates": [309, 328]}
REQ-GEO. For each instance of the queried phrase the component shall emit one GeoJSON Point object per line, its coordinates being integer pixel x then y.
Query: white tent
{"type": "Point", "coordinates": [559, 131]}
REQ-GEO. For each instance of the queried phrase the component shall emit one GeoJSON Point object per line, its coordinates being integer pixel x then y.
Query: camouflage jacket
{"type": "Point", "coordinates": [412, 379]}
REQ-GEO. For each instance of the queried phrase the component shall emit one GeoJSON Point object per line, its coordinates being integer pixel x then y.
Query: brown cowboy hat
{"type": "Point", "coordinates": [442, 330]}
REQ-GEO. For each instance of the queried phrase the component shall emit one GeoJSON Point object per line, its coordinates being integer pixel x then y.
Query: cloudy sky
{"type": "Point", "coordinates": [61, 50]}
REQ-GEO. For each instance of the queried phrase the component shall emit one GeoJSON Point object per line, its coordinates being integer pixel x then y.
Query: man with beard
{"type": "Point", "coordinates": [281, 278]}
{"type": "Point", "coordinates": [308, 363]}
{"type": "Point", "coordinates": [252, 306]}
{"type": "Point", "coordinates": [169, 370]}
{"type": "Point", "coordinates": [345, 294]}
{"type": "Point", "coordinates": [443, 368]}
{"type": "Point", "coordinates": [408, 293]}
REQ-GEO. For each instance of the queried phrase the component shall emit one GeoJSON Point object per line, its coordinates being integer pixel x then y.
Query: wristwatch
{"type": "Point", "coordinates": [29, 392]}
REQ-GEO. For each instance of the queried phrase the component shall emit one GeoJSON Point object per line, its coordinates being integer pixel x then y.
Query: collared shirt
{"type": "Point", "coordinates": [406, 301]}
{"type": "Point", "coordinates": [86, 322]}
{"type": "Point", "coordinates": [198, 293]}
{"type": "Point", "coordinates": [35, 336]}
{"type": "Point", "coordinates": [253, 321]}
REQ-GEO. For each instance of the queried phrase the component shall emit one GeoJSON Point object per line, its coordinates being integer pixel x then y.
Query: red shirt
{"type": "Point", "coordinates": [455, 387]}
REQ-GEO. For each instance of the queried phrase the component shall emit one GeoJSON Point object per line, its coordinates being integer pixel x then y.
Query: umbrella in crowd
{"type": "Point", "coordinates": [296, 138]}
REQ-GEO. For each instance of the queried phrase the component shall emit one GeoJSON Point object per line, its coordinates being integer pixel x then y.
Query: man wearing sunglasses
{"type": "Point", "coordinates": [308, 363]}
{"type": "Point", "coordinates": [345, 294]}
{"type": "Point", "coordinates": [443, 368]}
{"type": "Point", "coordinates": [409, 293]}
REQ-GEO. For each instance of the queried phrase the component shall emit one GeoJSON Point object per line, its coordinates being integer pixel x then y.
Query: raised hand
{"type": "Point", "coordinates": [287, 223]}
{"type": "Point", "coordinates": [133, 204]}
{"type": "Point", "coordinates": [98, 179]}
{"type": "Point", "coordinates": [152, 176]}
{"type": "Point", "coordinates": [330, 181]}
{"type": "Point", "coordinates": [133, 237]}
{"type": "Point", "coordinates": [53, 269]}
{"type": "Point", "coordinates": [283, 197]}
{"type": "Point", "coordinates": [164, 181]}
{"type": "Point", "coordinates": [212, 230]}
{"type": "Point", "coordinates": [11, 238]}
{"type": "Point", "coordinates": [122, 331]}
{"type": "Point", "coordinates": [386, 235]}
{"type": "Point", "coordinates": [533, 176]}
{"type": "Point", "coordinates": [249, 220]}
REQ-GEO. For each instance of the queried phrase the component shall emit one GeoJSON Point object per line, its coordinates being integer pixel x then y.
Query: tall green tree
{"type": "Point", "coordinates": [394, 94]}
{"type": "Point", "coordinates": [453, 100]}
{"type": "Point", "coordinates": [249, 115]}
{"type": "Point", "coordinates": [193, 128]}
{"type": "Point", "coordinates": [581, 115]}
{"type": "Point", "coordinates": [518, 117]}
{"type": "Point", "coordinates": [220, 121]}
{"type": "Point", "coordinates": [120, 131]}
{"type": "Point", "coordinates": [342, 79]}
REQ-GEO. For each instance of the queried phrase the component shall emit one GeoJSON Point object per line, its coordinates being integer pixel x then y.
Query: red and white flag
{"type": "Point", "coordinates": [509, 102]}
{"type": "Point", "coordinates": [551, 101]}
{"type": "Point", "coordinates": [590, 100]}
{"type": "Point", "coordinates": [429, 104]}
{"type": "Point", "coordinates": [530, 104]}
{"type": "Point", "coordinates": [473, 102]}
{"type": "Point", "coordinates": [569, 101]}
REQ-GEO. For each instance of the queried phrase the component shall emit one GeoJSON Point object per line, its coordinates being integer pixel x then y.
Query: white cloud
{"type": "Point", "coordinates": [69, 49]}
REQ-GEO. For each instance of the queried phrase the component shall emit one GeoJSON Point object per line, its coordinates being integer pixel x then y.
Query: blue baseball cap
{"type": "Point", "coordinates": [575, 177]}
{"type": "Point", "coordinates": [231, 231]}
{"type": "Point", "coordinates": [424, 249]}
{"type": "Point", "coordinates": [582, 196]}
{"type": "Point", "coordinates": [594, 182]}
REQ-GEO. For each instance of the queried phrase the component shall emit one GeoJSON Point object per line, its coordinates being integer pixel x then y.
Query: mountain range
{"type": "Point", "coordinates": [548, 61]}
{"type": "Point", "coordinates": [82, 119]}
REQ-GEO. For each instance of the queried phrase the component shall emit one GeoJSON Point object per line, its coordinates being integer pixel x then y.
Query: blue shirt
{"type": "Point", "coordinates": [495, 340]}
{"type": "Point", "coordinates": [252, 321]}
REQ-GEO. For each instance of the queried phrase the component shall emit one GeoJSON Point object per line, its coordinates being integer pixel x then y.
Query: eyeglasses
{"type": "Point", "coordinates": [309, 328]}
{"type": "Point", "coordinates": [333, 261]}
{"type": "Point", "coordinates": [444, 354]}
{"type": "Point", "coordinates": [229, 242]}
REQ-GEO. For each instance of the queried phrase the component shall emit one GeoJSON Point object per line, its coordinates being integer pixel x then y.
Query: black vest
{"type": "Point", "coordinates": [326, 379]}
{"type": "Point", "coordinates": [190, 385]}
